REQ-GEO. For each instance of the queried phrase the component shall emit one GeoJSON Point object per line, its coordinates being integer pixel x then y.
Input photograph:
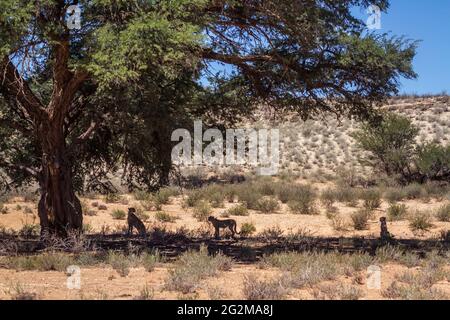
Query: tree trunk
{"type": "Point", "coordinates": [59, 208]}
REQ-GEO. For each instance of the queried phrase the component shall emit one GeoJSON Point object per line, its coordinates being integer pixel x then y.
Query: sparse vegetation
{"type": "Point", "coordinates": [247, 229]}
{"type": "Point", "coordinates": [255, 289]}
{"type": "Point", "coordinates": [118, 214]}
{"type": "Point", "coordinates": [202, 210]}
{"type": "Point", "coordinates": [267, 205]}
{"type": "Point", "coordinates": [372, 199]}
{"type": "Point", "coordinates": [443, 213]}
{"type": "Point", "coordinates": [3, 209]}
{"type": "Point", "coordinates": [360, 219]}
{"type": "Point", "coordinates": [397, 212]}
{"type": "Point", "coordinates": [420, 221]}
{"type": "Point", "coordinates": [302, 201]}
{"type": "Point", "coordinates": [164, 217]}
{"type": "Point", "coordinates": [194, 266]}
{"type": "Point", "coordinates": [238, 210]}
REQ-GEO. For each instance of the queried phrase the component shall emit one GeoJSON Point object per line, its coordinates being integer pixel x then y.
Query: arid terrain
{"type": "Point", "coordinates": [299, 230]}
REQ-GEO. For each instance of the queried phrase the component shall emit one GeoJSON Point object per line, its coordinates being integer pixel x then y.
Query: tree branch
{"type": "Point", "coordinates": [13, 86]}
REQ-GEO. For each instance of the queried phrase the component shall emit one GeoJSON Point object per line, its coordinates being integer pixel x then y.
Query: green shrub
{"type": "Point", "coordinates": [238, 210]}
{"type": "Point", "coordinates": [192, 198]}
{"type": "Point", "coordinates": [443, 213]}
{"type": "Point", "coordinates": [288, 192]}
{"type": "Point", "coordinates": [215, 195]}
{"type": "Point", "coordinates": [420, 221]}
{"type": "Point", "coordinates": [266, 186]}
{"type": "Point", "coordinates": [346, 195]}
{"type": "Point", "coordinates": [141, 214]}
{"type": "Point", "coordinates": [29, 230]}
{"type": "Point", "coordinates": [303, 204]}
{"type": "Point", "coordinates": [372, 199]}
{"type": "Point", "coordinates": [247, 229]}
{"type": "Point", "coordinates": [391, 142]}
{"type": "Point", "coordinates": [202, 210]}
{"type": "Point", "coordinates": [112, 198]}
{"type": "Point", "coordinates": [433, 160]}
{"type": "Point", "coordinates": [44, 262]}
{"type": "Point", "coordinates": [394, 194]}
{"type": "Point", "coordinates": [397, 212]}
{"type": "Point", "coordinates": [119, 262]}
{"type": "Point", "coordinates": [163, 195]}
{"type": "Point", "coordinates": [249, 196]}
{"type": "Point", "coordinates": [328, 197]}
{"type": "Point", "coordinates": [415, 191]}
{"type": "Point", "coordinates": [230, 192]}
{"type": "Point", "coordinates": [360, 219]}
{"type": "Point", "coordinates": [151, 260]}
{"type": "Point", "coordinates": [164, 217]}
{"type": "Point", "coordinates": [141, 195]}
{"type": "Point", "coordinates": [268, 205]}
{"type": "Point", "coordinates": [118, 214]}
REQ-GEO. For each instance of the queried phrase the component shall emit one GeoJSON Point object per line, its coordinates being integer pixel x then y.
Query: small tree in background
{"type": "Point", "coordinates": [390, 143]}
{"type": "Point", "coordinates": [393, 149]}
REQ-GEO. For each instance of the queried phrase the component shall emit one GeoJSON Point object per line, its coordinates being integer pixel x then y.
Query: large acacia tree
{"type": "Point", "coordinates": [77, 104]}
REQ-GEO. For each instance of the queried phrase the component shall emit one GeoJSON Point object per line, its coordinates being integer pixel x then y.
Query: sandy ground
{"type": "Point", "coordinates": [105, 283]}
{"type": "Point", "coordinates": [318, 225]}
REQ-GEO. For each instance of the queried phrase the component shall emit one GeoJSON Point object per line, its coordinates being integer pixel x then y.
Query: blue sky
{"type": "Point", "coordinates": [428, 21]}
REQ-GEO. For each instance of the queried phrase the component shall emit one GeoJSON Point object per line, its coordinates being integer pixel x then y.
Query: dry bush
{"type": "Point", "coordinates": [238, 210]}
{"type": "Point", "coordinates": [112, 198]}
{"type": "Point", "coordinates": [360, 219]}
{"type": "Point", "coordinates": [192, 198]}
{"type": "Point", "coordinates": [415, 191]}
{"type": "Point", "coordinates": [397, 212]}
{"type": "Point", "coordinates": [52, 261]}
{"type": "Point", "coordinates": [328, 198]}
{"type": "Point", "coordinates": [394, 194]}
{"type": "Point", "coordinates": [303, 202]}
{"type": "Point", "coordinates": [19, 292]}
{"type": "Point", "coordinates": [141, 195]}
{"type": "Point", "coordinates": [194, 266]}
{"type": "Point", "coordinates": [420, 221]}
{"type": "Point", "coordinates": [249, 196]}
{"type": "Point", "coordinates": [338, 223]}
{"type": "Point", "coordinates": [443, 213]}
{"type": "Point", "coordinates": [371, 198]}
{"type": "Point", "coordinates": [255, 289]}
{"type": "Point", "coordinates": [247, 229]}
{"type": "Point", "coordinates": [119, 262]}
{"type": "Point", "coordinates": [271, 233]}
{"type": "Point", "coordinates": [403, 292]}
{"type": "Point", "coordinates": [146, 293]}
{"type": "Point", "coordinates": [3, 208]}
{"type": "Point", "coordinates": [118, 214]}
{"type": "Point", "coordinates": [165, 217]}
{"type": "Point", "coordinates": [347, 195]}
{"type": "Point", "coordinates": [309, 268]}
{"type": "Point", "coordinates": [338, 292]}
{"type": "Point", "coordinates": [267, 205]}
{"type": "Point", "coordinates": [202, 210]}
{"type": "Point", "coordinates": [216, 292]}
